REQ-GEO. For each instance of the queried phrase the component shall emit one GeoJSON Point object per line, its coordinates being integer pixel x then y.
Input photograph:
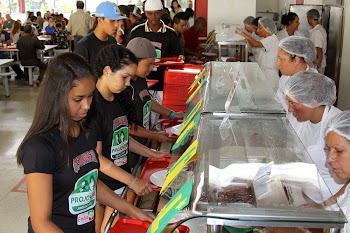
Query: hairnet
{"type": "Point", "coordinates": [340, 124]}
{"type": "Point", "coordinates": [310, 89]}
{"type": "Point", "coordinates": [299, 46]}
{"type": "Point", "coordinates": [269, 25]}
{"type": "Point", "coordinates": [313, 14]}
{"type": "Point", "coordinates": [249, 21]}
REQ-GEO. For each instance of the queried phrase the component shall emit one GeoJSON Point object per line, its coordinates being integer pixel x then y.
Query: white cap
{"type": "Point", "coordinates": [153, 5]}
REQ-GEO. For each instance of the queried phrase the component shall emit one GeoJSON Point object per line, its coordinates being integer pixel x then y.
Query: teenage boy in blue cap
{"type": "Point", "coordinates": [107, 16]}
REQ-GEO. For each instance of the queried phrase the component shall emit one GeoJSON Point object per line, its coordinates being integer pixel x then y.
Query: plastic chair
{"type": "Point", "coordinates": [5, 81]}
{"type": "Point", "coordinates": [30, 74]}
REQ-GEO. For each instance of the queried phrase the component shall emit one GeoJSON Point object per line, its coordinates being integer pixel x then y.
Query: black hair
{"type": "Point", "coordinates": [178, 5]}
{"type": "Point", "coordinates": [22, 29]}
{"type": "Point", "coordinates": [80, 4]}
{"type": "Point", "coordinates": [30, 14]}
{"type": "Point", "coordinates": [189, 12]}
{"type": "Point", "coordinates": [33, 18]}
{"type": "Point", "coordinates": [58, 25]}
{"type": "Point", "coordinates": [28, 28]}
{"type": "Point", "coordinates": [52, 110]}
{"type": "Point", "coordinates": [256, 21]}
{"type": "Point", "coordinates": [116, 57]}
{"type": "Point", "coordinates": [165, 18]}
{"type": "Point", "coordinates": [288, 18]}
{"type": "Point", "coordinates": [38, 13]}
{"type": "Point", "coordinates": [180, 16]}
{"type": "Point", "coordinates": [124, 10]}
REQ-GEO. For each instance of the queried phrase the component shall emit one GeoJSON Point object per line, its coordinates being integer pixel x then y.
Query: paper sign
{"type": "Point", "coordinates": [264, 171]}
{"type": "Point", "coordinates": [179, 165]}
{"type": "Point", "coordinates": [186, 132]}
{"type": "Point", "coordinates": [199, 76]}
{"type": "Point", "coordinates": [177, 203]}
{"type": "Point", "coordinates": [195, 92]}
{"type": "Point", "coordinates": [191, 115]}
{"type": "Point", "coordinates": [232, 93]}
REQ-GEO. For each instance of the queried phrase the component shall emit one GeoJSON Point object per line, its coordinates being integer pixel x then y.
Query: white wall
{"type": "Point", "coordinates": [344, 82]}
{"type": "Point", "coordinates": [229, 11]}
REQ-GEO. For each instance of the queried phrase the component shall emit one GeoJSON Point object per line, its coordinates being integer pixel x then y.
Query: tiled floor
{"type": "Point", "coordinates": [16, 113]}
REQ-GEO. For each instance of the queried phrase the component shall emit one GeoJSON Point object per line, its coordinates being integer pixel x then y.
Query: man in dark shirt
{"type": "Point", "coordinates": [27, 46]}
{"type": "Point", "coordinates": [180, 21]}
{"type": "Point", "coordinates": [107, 16]}
{"type": "Point", "coordinates": [9, 22]}
{"type": "Point", "coordinates": [162, 37]}
{"type": "Point", "coordinates": [60, 38]}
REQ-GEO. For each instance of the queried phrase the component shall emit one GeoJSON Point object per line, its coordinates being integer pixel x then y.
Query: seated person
{"type": "Point", "coordinates": [50, 27]}
{"type": "Point", "coordinates": [36, 25]}
{"type": "Point", "coordinates": [60, 38]}
{"type": "Point", "coordinates": [6, 39]}
{"type": "Point", "coordinates": [191, 37]}
{"type": "Point", "coordinates": [27, 46]}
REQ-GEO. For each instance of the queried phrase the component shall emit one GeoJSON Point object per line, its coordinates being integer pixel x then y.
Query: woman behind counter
{"type": "Point", "coordinates": [267, 57]}
{"type": "Point", "coordinates": [310, 97]}
{"type": "Point", "coordinates": [290, 21]}
{"type": "Point", "coordinates": [52, 151]}
{"type": "Point", "coordinates": [294, 54]}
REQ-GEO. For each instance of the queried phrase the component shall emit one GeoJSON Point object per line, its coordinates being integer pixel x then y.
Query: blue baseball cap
{"type": "Point", "coordinates": [109, 10]}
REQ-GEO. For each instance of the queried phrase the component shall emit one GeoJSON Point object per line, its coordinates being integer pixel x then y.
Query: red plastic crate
{"type": "Point", "coordinates": [128, 225]}
{"type": "Point", "coordinates": [181, 75]}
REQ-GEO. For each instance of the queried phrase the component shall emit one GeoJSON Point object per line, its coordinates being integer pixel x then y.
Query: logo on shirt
{"type": "Point", "coordinates": [85, 217]}
{"type": "Point", "coordinates": [83, 159]}
{"type": "Point", "coordinates": [119, 150]}
{"type": "Point", "coordinates": [117, 122]}
{"type": "Point", "coordinates": [143, 93]}
{"type": "Point", "coordinates": [83, 197]}
{"type": "Point", "coordinates": [146, 114]}
{"type": "Point", "coordinates": [158, 45]}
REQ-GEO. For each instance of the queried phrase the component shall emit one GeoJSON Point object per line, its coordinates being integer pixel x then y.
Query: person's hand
{"type": "Point", "coordinates": [160, 154]}
{"type": "Point", "coordinates": [179, 115]}
{"type": "Point", "coordinates": [142, 187]}
{"type": "Point", "coordinates": [239, 30]}
{"type": "Point", "coordinates": [162, 137]}
{"type": "Point", "coordinates": [137, 213]}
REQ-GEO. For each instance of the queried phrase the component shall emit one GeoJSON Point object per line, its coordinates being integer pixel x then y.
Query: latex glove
{"type": "Point", "coordinates": [160, 154]}
{"type": "Point", "coordinates": [239, 31]}
{"type": "Point", "coordinates": [142, 187]}
{"type": "Point", "coordinates": [162, 137]}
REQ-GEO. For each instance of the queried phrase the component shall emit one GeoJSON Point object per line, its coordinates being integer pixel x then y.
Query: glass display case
{"type": "Point", "coordinates": [252, 93]}
{"type": "Point", "coordinates": [254, 170]}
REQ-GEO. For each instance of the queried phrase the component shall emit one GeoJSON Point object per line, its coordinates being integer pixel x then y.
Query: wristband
{"type": "Point", "coordinates": [172, 115]}
{"type": "Point", "coordinates": [130, 186]}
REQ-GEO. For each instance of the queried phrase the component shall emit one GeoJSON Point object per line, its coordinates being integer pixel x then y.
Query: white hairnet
{"type": "Point", "coordinates": [340, 124]}
{"type": "Point", "coordinates": [269, 25]}
{"type": "Point", "coordinates": [313, 14]}
{"type": "Point", "coordinates": [310, 89]}
{"type": "Point", "coordinates": [249, 21]}
{"type": "Point", "coordinates": [299, 46]}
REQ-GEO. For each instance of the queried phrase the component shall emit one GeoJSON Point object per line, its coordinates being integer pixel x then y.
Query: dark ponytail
{"type": "Point", "coordinates": [288, 18]}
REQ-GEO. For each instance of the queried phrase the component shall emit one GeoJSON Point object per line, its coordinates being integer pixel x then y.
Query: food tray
{"type": "Point", "coordinates": [151, 82]}
{"type": "Point", "coordinates": [168, 61]}
{"type": "Point", "coordinates": [152, 166]}
{"type": "Point", "coordinates": [127, 225]}
{"type": "Point", "coordinates": [168, 124]}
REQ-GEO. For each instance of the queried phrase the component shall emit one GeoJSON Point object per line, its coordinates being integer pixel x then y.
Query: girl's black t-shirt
{"type": "Point", "coordinates": [111, 128]}
{"type": "Point", "coordinates": [74, 184]}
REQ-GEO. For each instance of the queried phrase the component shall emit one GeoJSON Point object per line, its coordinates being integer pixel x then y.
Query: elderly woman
{"type": "Point", "coordinates": [338, 149]}
{"type": "Point", "coordinates": [310, 97]}
{"type": "Point", "coordinates": [267, 58]}
{"type": "Point", "coordinates": [294, 54]}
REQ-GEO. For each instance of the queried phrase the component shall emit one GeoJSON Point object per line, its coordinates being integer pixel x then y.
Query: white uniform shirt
{"type": "Point", "coordinates": [318, 36]}
{"type": "Point", "coordinates": [283, 34]}
{"type": "Point", "coordinates": [344, 203]}
{"type": "Point", "coordinates": [313, 135]}
{"type": "Point", "coordinates": [267, 60]}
